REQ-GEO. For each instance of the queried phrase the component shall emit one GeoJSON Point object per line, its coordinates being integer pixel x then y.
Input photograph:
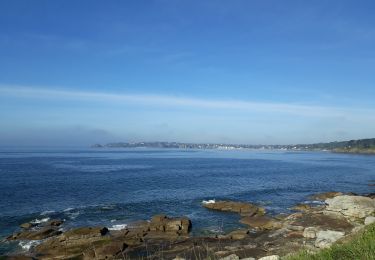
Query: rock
{"type": "Point", "coordinates": [357, 228]}
{"type": "Point", "coordinates": [221, 253]}
{"type": "Point", "coordinates": [271, 257]}
{"type": "Point", "coordinates": [35, 234]}
{"type": "Point", "coordinates": [260, 222]}
{"type": "Point", "coordinates": [158, 218]}
{"type": "Point", "coordinates": [369, 220]}
{"type": "Point", "coordinates": [302, 207]}
{"type": "Point", "coordinates": [310, 232]}
{"type": "Point", "coordinates": [84, 235]}
{"type": "Point", "coordinates": [294, 234]}
{"type": "Point", "coordinates": [245, 209]}
{"type": "Point", "coordinates": [230, 257]}
{"type": "Point", "coordinates": [295, 228]}
{"type": "Point", "coordinates": [326, 195]}
{"type": "Point", "coordinates": [239, 234]}
{"type": "Point", "coordinates": [248, 258]}
{"type": "Point", "coordinates": [351, 206]}
{"type": "Point", "coordinates": [326, 238]}
{"type": "Point", "coordinates": [164, 224]}
{"type": "Point", "coordinates": [55, 223]}
{"type": "Point", "coordinates": [178, 258]}
{"type": "Point", "coordinates": [27, 225]}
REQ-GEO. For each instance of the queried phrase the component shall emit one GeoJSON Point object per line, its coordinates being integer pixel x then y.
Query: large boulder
{"type": "Point", "coordinates": [351, 206]}
{"type": "Point", "coordinates": [326, 238]}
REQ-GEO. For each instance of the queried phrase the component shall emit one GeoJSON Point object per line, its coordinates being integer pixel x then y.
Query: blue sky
{"type": "Point", "coordinates": [82, 72]}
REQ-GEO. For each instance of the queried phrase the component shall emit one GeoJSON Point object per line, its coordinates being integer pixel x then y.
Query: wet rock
{"type": "Point", "coordinates": [271, 257]}
{"type": "Point", "coordinates": [260, 222]}
{"type": "Point", "coordinates": [54, 223]}
{"type": "Point", "coordinates": [310, 232]}
{"type": "Point", "coordinates": [245, 209]}
{"type": "Point", "coordinates": [326, 238]}
{"type": "Point", "coordinates": [27, 225]}
{"type": "Point", "coordinates": [35, 234]}
{"type": "Point", "coordinates": [369, 220]}
{"type": "Point", "coordinates": [351, 206]}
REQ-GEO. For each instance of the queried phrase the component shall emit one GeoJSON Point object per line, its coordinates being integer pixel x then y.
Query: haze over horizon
{"type": "Point", "coordinates": [241, 72]}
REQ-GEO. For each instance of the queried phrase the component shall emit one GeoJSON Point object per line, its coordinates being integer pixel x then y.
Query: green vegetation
{"type": "Point", "coordinates": [361, 246]}
{"type": "Point", "coordinates": [364, 146]}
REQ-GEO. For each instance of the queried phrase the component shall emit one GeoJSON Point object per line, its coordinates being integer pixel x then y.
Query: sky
{"type": "Point", "coordinates": [254, 72]}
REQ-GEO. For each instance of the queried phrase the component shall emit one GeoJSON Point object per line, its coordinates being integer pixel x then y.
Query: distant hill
{"type": "Point", "coordinates": [366, 146]}
{"type": "Point", "coordinates": [352, 146]}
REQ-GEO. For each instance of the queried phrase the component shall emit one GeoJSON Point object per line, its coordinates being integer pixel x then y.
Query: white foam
{"type": "Point", "coordinates": [208, 201]}
{"type": "Point", "coordinates": [47, 212]}
{"type": "Point", "coordinates": [27, 245]}
{"type": "Point", "coordinates": [68, 209]}
{"type": "Point", "coordinates": [73, 215]}
{"type": "Point", "coordinates": [38, 221]}
{"type": "Point", "coordinates": [118, 227]}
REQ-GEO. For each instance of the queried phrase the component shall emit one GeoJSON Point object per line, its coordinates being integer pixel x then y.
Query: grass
{"type": "Point", "coordinates": [361, 246]}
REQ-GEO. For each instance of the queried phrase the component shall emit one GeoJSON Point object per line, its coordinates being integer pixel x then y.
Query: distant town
{"type": "Point", "coordinates": [353, 146]}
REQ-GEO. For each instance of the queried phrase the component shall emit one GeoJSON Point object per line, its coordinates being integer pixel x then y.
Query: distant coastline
{"type": "Point", "coordinates": [361, 146]}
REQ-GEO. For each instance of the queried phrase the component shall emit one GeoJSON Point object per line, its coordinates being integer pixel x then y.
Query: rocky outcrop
{"type": "Point", "coordinates": [163, 237]}
{"type": "Point", "coordinates": [326, 238]}
{"type": "Point", "coordinates": [244, 209]}
{"type": "Point", "coordinates": [164, 224]}
{"type": "Point", "coordinates": [37, 231]}
{"type": "Point", "coordinates": [351, 206]}
{"type": "Point", "coordinates": [260, 222]}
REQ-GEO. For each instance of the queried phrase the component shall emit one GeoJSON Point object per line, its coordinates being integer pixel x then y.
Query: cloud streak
{"type": "Point", "coordinates": [175, 101]}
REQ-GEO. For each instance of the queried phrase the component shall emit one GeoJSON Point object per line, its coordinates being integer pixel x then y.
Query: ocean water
{"type": "Point", "coordinates": [114, 187]}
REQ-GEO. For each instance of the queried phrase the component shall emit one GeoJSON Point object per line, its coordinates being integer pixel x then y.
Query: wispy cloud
{"type": "Point", "coordinates": [176, 101]}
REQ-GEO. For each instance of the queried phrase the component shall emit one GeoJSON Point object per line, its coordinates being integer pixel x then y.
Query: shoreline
{"type": "Point", "coordinates": [263, 232]}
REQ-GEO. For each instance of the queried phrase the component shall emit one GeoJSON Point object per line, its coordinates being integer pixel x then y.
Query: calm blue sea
{"type": "Point", "coordinates": [115, 187]}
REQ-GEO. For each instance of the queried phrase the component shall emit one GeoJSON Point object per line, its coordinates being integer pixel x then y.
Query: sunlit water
{"type": "Point", "coordinates": [116, 187]}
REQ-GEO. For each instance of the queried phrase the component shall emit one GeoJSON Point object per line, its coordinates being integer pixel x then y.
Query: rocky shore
{"type": "Point", "coordinates": [309, 227]}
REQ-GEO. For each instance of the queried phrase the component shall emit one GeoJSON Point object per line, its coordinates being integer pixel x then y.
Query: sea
{"type": "Point", "coordinates": [115, 187]}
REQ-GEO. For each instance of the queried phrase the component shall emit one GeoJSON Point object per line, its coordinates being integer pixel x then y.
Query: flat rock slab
{"type": "Point", "coordinates": [322, 221]}
{"type": "Point", "coordinates": [351, 206]}
{"type": "Point", "coordinates": [243, 208]}
{"type": "Point", "coordinates": [260, 222]}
